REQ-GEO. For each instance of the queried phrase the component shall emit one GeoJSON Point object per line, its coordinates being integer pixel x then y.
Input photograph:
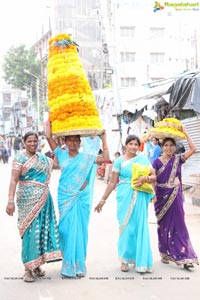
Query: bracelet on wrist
{"type": "Point", "coordinates": [102, 201]}
{"type": "Point", "coordinates": [11, 202]}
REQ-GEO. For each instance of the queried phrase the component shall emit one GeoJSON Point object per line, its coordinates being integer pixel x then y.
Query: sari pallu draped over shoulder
{"type": "Point", "coordinates": [132, 213]}
{"type": "Point", "coordinates": [36, 215]}
{"type": "Point", "coordinates": [74, 209]}
{"type": "Point", "coordinates": [173, 237]}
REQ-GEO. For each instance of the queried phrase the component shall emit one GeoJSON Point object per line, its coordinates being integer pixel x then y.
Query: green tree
{"type": "Point", "coordinates": [16, 60]}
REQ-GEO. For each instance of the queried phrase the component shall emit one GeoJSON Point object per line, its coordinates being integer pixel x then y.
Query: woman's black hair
{"type": "Point", "coordinates": [117, 153]}
{"type": "Point", "coordinates": [132, 137]}
{"type": "Point", "coordinates": [29, 133]}
{"type": "Point", "coordinates": [78, 136]}
{"type": "Point", "coordinates": [168, 139]}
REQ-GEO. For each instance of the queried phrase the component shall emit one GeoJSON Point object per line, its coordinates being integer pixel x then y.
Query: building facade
{"type": "Point", "coordinates": [123, 44]}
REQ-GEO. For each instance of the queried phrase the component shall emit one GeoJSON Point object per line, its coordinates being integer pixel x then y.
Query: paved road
{"type": "Point", "coordinates": [104, 279]}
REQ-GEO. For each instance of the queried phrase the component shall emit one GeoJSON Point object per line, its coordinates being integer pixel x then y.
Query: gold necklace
{"type": "Point", "coordinates": [165, 160]}
{"type": "Point", "coordinates": [28, 154]}
{"type": "Point", "coordinates": [129, 157]}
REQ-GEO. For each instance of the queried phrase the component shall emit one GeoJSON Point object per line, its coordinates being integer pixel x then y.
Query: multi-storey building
{"type": "Point", "coordinates": [124, 45]}
{"type": "Point", "coordinates": [16, 115]}
{"type": "Point", "coordinates": [83, 20]}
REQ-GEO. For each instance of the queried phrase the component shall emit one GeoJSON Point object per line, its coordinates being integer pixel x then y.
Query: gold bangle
{"type": "Point", "coordinates": [11, 202]}
{"type": "Point", "coordinates": [102, 201]}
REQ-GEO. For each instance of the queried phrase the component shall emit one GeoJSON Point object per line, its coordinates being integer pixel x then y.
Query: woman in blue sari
{"type": "Point", "coordinates": [36, 216]}
{"type": "Point", "coordinates": [75, 192]}
{"type": "Point", "coordinates": [132, 208]}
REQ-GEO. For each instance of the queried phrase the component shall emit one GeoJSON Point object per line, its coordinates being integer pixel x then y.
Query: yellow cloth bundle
{"type": "Point", "coordinates": [138, 171]}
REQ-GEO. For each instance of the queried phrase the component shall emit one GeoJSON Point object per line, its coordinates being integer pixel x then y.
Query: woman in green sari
{"type": "Point", "coordinates": [37, 225]}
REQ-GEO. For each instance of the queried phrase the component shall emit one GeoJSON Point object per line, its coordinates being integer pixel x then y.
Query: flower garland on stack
{"type": "Point", "coordinates": [71, 102]}
{"type": "Point", "coordinates": [168, 127]}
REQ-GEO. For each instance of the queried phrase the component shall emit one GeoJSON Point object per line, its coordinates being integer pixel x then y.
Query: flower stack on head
{"type": "Point", "coordinates": [71, 102]}
{"type": "Point", "coordinates": [169, 127]}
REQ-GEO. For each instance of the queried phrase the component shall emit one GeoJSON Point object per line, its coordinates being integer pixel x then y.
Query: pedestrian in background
{"type": "Point", "coordinates": [154, 149]}
{"type": "Point", "coordinates": [123, 150]}
{"type": "Point", "coordinates": [36, 216]}
{"type": "Point", "coordinates": [116, 155]}
{"type": "Point", "coordinates": [173, 237]}
{"type": "Point", "coordinates": [18, 144]}
{"type": "Point", "coordinates": [4, 148]}
{"type": "Point", "coordinates": [75, 190]}
{"type": "Point", "coordinates": [132, 208]}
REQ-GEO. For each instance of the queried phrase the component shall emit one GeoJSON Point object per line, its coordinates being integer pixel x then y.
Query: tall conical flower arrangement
{"type": "Point", "coordinates": [71, 102]}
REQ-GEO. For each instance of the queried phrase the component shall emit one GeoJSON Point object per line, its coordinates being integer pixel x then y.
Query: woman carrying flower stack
{"type": "Point", "coordinates": [74, 200]}
{"type": "Point", "coordinates": [173, 237]}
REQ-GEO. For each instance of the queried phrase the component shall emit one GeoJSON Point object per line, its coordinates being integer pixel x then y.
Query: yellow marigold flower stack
{"type": "Point", "coordinates": [168, 127]}
{"type": "Point", "coordinates": [71, 102]}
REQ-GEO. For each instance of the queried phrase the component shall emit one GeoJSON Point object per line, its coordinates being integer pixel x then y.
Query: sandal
{"type": "Point", "coordinates": [28, 276]}
{"type": "Point", "coordinates": [165, 260]}
{"type": "Point", "coordinates": [124, 267]}
{"type": "Point", "coordinates": [38, 272]}
{"type": "Point", "coordinates": [81, 275]}
{"type": "Point", "coordinates": [188, 266]}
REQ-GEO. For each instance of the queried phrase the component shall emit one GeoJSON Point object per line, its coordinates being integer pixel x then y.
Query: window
{"type": "Point", "coordinates": [127, 56]}
{"type": "Point", "coordinates": [127, 31]}
{"type": "Point", "coordinates": [6, 98]}
{"type": "Point", "coordinates": [157, 58]}
{"type": "Point", "coordinates": [128, 81]}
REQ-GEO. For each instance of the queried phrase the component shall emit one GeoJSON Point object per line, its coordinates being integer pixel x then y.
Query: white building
{"type": "Point", "coordinates": [145, 47]}
{"type": "Point", "coordinates": [125, 45]}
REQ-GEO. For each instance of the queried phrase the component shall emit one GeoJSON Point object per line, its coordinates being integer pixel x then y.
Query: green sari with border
{"type": "Point", "coordinates": [36, 215]}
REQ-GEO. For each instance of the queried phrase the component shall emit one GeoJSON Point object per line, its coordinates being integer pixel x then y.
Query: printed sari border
{"type": "Point", "coordinates": [45, 258]}
{"type": "Point", "coordinates": [180, 262]}
{"type": "Point", "coordinates": [33, 213]}
{"type": "Point", "coordinates": [175, 191]}
{"type": "Point", "coordinates": [128, 215]}
{"type": "Point", "coordinates": [168, 204]}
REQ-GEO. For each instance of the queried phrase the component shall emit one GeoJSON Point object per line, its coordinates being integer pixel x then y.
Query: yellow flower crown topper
{"type": "Point", "coordinates": [174, 131]}
{"type": "Point", "coordinates": [62, 40]}
{"type": "Point", "coordinates": [172, 120]}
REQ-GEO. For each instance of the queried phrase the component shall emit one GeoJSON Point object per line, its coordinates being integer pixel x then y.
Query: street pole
{"type": "Point", "coordinates": [38, 102]}
{"type": "Point", "coordinates": [108, 19]}
{"type": "Point", "coordinates": [37, 95]}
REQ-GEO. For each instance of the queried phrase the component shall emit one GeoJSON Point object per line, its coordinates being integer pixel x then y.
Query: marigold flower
{"type": "Point", "coordinates": [70, 99]}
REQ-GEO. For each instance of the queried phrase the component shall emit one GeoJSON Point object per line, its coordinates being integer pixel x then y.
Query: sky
{"type": "Point", "coordinates": [21, 21]}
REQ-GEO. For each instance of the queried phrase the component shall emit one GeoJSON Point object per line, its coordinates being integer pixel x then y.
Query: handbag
{"type": "Point", "coordinates": [139, 170]}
